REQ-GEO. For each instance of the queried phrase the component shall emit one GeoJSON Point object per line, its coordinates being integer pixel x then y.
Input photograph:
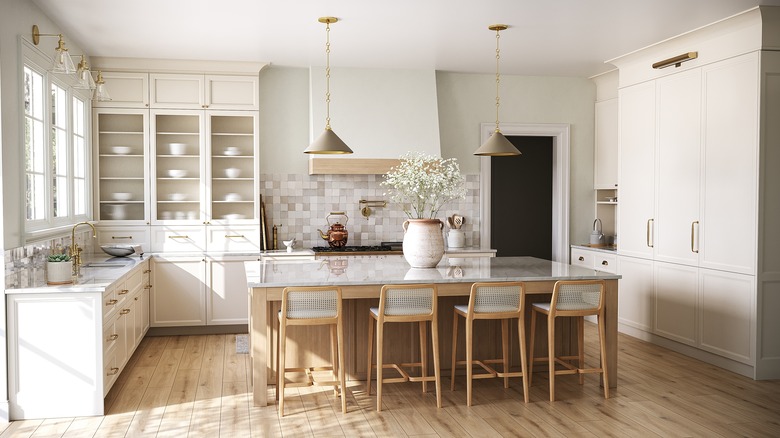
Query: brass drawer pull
{"type": "Point", "coordinates": [122, 237]}
{"type": "Point", "coordinates": [581, 258]}
{"type": "Point", "coordinates": [649, 221]}
{"type": "Point", "coordinates": [113, 337]}
{"type": "Point", "coordinates": [124, 311]}
{"type": "Point", "coordinates": [148, 286]}
{"type": "Point", "coordinates": [693, 228]}
{"type": "Point", "coordinates": [124, 291]}
{"type": "Point", "coordinates": [605, 263]}
{"type": "Point", "coordinates": [113, 371]}
{"type": "Point", "coordinates": [178, 237]}
{"type": "Point", "coordinates": [146, 271]}
{"type": "Point", "coordinates": [111, 302]}
{"type": "Point", "coordinates": [237, 236]}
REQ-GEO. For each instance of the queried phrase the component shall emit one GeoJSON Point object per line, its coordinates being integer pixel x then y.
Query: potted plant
{"type": "Point", "coordinates": [422, 184]}
{"type": "Point", "coordinates": [59, 269]}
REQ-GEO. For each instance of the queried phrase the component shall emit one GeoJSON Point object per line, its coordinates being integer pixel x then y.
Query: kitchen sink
{"type": "Point", "coordinates": [105, 265]}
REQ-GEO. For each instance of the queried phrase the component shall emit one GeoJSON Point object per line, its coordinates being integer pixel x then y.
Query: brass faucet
{"type": "Point", "coordinates": [75, 251]}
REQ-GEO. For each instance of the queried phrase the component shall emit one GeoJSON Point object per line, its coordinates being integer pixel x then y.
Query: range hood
{"type": "Point", "coordinates": [379, 113]}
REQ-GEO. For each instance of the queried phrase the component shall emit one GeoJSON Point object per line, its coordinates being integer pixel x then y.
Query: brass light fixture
{"type": "Point", "coordinates": [328, 142]}
{"type": "Point", "coordinates": [62, 64]}
{"type": "Point", "coordinates": [101, 93]}
{"type": "Point", "coordinates": [497, 145]}
{"type": "Point", "coordinates": [84, 75]}
{"type": "Point", "coordinates": [677, 60]}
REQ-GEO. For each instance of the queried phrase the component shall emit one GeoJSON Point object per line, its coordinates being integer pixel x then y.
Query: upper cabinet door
{"type": "Point", "coordinates": [232, 92]}
{"type": "Point", "coordinates": [606, 159]}
{"type": "Point", "coordinates": [127, 90]}
{"type": "Point", "coordinates": [678, 157]}
{"type": "Point", "coordinates": [177, 91]}
{"type": "Point", "coordinates": [636, 170]}
{"type": "Point", "coordinates": [730, 164]}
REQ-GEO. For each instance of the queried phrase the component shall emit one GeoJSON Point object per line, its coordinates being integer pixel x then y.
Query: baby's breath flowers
{"type": "Point", "coordinates": [422, 184]}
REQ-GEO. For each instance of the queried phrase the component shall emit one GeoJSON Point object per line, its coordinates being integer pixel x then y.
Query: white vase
{"type": "Point", "coordinates": [456, 239]}
{"type": "Point", "coordinates": [59, 272]}
{"type": "Point", "coordinates": [423, 242]}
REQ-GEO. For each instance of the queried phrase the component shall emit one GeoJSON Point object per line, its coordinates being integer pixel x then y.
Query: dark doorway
{"type": "Point", "coordinates": [521, 199]}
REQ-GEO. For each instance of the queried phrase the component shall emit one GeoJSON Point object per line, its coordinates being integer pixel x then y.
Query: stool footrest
{"type": "Point", "coordinates": [310, 380]}
{"type": "Point", "coordinates": [489, 374]}
{"type": "Point", "coordinates": [405, 377]}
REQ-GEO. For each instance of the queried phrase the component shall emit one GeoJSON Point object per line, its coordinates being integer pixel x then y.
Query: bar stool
{"type": "Point", "coordinates": [312, 306]}
{"type": "Point", "coordinates": [405, 303]}
{"type": "Point", "coordinates": [501, 300]}
{"type": "Point", "coordinates": [575, 298]}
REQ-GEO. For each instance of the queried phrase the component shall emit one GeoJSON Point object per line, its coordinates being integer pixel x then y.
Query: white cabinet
{"type": "Point", "coordinates": [127, 90]}
{"type": "Point", "coordinates": [196, 291]}
{"type": "Point", "coordinates": [676, 289]}
{"type": "Point", "coordinates": [204, 91]}
{"type": "Point", "coordinates": [636, 304]}
{"type": "Point", "coordinates": [637, 170]}
{"type": "Point", "coordinates": [727, 317]}
{"type": "Point", "coordinates": [606, 140]}
{"type": "Point", "coordinates": [124, 235]}
{"type": "Point", "coordinates": [121, 176]}
{"type": "Point", "coordinates": [593, 259]}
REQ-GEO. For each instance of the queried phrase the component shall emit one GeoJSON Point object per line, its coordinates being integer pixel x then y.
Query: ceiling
{"type": "Point", "coordinates": [545, 37]}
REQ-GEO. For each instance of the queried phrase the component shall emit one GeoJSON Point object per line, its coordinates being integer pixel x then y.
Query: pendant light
{"type": "Point", "coordinates": [497, 145]}
{"type": "Point", "coordinates": [328, 142]}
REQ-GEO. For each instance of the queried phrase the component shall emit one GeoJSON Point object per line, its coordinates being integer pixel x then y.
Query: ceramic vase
{"type": "Point", "coordinates": [423, 242]}
{"type": "Point", "coordinates": [456, 238]}
{"type": "Point", "coordinates": [59, 272]}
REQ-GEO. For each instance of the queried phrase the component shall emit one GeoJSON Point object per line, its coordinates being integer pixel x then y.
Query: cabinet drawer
{"type": "Point", "coordinates": [178, 239]}
{"type": "Point", "coordinates": [135, 280]}
{"type": "Point", "coordinates": [110, 303]}
{"type": "Point", "coordinates": [111, 339]}
{"type": "Point", "coordinates": [110, 372]}
{"type": "Point", "coordinates": [606, 263]}
{"type": "Point", "coordinates": [124, 236]}
{"type": "Point", "coordinates": [580, 257]}
{"type": "Point", "coordinates": [233, 239]}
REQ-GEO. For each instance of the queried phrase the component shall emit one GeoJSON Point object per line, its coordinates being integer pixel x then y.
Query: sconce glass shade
{"type": "Point", "coordinates": [85, 81]}
{"type": "Point", "coordinates": [101, 92]}
{"type": "Point", "coordinates": [328, 143]}
{"type": "Point", "coordinates": [62, 63]}
{"type": "Point", "coordinates": [497, 146]}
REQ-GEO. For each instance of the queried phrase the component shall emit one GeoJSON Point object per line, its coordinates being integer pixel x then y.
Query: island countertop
{"type": "Point", "coordinates": [397, 271]}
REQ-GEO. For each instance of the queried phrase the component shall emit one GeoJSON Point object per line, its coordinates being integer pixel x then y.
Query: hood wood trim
{"type": "Point", "coordinates": [351, 166]}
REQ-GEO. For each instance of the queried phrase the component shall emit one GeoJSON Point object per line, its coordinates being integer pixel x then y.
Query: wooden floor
{"type": "Point", "coordinates": [197, 386]}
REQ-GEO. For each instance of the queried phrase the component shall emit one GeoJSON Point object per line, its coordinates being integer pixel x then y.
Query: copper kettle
{"type": "Point", "coordinates": [337, 232]}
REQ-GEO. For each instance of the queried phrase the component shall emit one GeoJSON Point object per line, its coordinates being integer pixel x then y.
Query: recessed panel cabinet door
{"type": "Point", "coordinates": [179, 294]}
{"type": "Point", "coordinates": [727, 317]}
{"type": "Point", "coordinates": [676, 306]}
{"type": "Point", "coordinates": [636, 304]}
{"type": "Point", "coordinates": [678, 157]}
{"type": "Point", "coordinates": [637, 171]}
{"type": "Point", "coordinates": [228, 301]}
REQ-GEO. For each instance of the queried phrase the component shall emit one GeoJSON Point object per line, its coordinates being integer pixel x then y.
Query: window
{"type": "Point", "coordinates": [56, 149]}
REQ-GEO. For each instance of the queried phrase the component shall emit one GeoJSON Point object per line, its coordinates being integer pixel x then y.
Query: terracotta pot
{"type": "Point", "coordinates": [423, 242]}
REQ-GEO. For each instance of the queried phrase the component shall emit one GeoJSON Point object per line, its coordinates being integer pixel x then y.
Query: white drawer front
{"type": "Point", "coordinates": [110, 303]}
{"type": "Point", "coordinates": [178, 239]}
{"type": "Point", "coordinates": [606, 263]}
{"type": "Point", "coordinates": [124, 236]}
{"type": "Point", "coordinates": [234, 239]}
{"type": "Point", "coordinates": [580, 257]}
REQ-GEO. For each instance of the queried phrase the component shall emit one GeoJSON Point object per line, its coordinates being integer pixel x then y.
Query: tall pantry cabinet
{"type": "Point", "coordinates": [185, 186]}
{"type": "Point", "coordinates": [697, 163]}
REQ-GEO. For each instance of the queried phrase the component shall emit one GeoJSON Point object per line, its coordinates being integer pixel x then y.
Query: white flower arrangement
{"type": "Point", "coordinates": [422, 184]}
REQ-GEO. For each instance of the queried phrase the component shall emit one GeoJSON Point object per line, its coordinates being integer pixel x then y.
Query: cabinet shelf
{"type": "Point", "coordinates": [178, 202]}
{"type": "Point", "coordinates": [121, 132]}
{"type": "Point", "coordinates": [177, 156]}
{"type": "Point", "coordinates": [121, 178]}
{"type": "Point", "coordinates": [232, 179]}
{"type": "Point", "coordinates": [232, 156]}
{"type": "Point", "coordinates": [233, 202]}
{"type": "Point", "coordinates": [121, 156]}
{"type": "Point", "coordinates": [176, 133]}
{"type": "Point", "coordinates": [606, 203]}
{"type": "Point", "coordinates": [232, 134]}
{"type": "Point", "coordinates": [168, 178]}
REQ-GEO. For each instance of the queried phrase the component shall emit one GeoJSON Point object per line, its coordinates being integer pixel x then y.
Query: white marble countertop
{"type": "Point", "coordinates": [92, 279]}
{"type": "Point", "coordinates": [397, 271]}
{"type": "Point", "coordinates": [606, 249]}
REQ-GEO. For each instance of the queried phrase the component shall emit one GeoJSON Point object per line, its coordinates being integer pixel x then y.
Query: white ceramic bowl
{"type": "Point", "coordinates": [232, 150]}
{"type": "Point", "coordinates": [232, 197]}
{"type": "Point", "coordinates": [121, 150]}
{"type": "Point", "coordinates": [118, 250]}
{"type": "Point", "coordinates": [122, 196]}
{"type": "Point", "coordinates": [233, 216]}
{"type": "Point", "coordinates": [177, 173]}
{"type": "Point", "coordinates": [178, 148]}
{"type": "Point", "coordinates": [177, 197]}
{"type": "Point", "coordinates": [232, 172]}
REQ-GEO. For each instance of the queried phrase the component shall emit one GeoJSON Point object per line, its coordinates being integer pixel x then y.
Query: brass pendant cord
{"type": "Point", "coordinates": [498, 76]}
{"type": "Point", "coordinates": [327, 75]}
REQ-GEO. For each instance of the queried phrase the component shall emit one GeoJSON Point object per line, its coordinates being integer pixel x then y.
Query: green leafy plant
{"type": "Point", "coordinates": [422, 184]}
{"type": "Point", "coordinates": [59, 258]}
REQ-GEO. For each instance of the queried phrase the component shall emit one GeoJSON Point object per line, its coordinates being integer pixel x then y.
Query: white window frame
{"type": "Point", "coordinates": [33, 58]}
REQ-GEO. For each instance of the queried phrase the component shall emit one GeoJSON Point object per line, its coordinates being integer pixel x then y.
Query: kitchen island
{"type": "Point", "coordinates": [361, 281]}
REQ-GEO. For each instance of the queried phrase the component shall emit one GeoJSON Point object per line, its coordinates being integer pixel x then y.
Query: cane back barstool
{"type": "Point", "coordinates": [501, 300]}
{"type": "Point", "coordinates": [405, 303]}
{"type": "Point", "coordinates": [575, 298]}
{"type": "Point", "coordinates": [312, 306]}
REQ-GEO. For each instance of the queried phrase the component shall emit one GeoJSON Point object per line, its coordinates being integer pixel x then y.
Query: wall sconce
{"type": "Point", "coordinates": [62, 63]}
{"type": "Point", "coordinates": [101, 92]}
{"type": "Point", "coordinates": [84, 75]}
{"type": "Point", "coordinates": [677, 60]}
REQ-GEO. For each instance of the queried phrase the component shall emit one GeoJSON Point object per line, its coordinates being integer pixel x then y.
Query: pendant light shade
{"type": "Point", "coordinates": [497, 145]}
{"type": "Point", "coordinates": [328, 142]}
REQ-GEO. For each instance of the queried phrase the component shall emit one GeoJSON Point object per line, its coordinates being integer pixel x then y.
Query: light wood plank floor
{"type": "Point", "coordinates": [197, 386]}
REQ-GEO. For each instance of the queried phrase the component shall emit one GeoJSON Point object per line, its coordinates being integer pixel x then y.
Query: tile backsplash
{"type": "Point", "coordinates": [25, 266]}
{"type": "Point", "coordinates": [301, 204]}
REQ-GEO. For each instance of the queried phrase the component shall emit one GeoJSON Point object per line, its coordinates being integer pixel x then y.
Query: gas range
{"type": "Point", "coordinates": [356, 250]}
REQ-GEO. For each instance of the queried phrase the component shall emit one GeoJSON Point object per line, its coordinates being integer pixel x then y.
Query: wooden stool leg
{"type": "Point", "coordinates": [469, 358]}
{"type": "Point", "coordinates": [523, 357]}
{"type": "Point", "coordinates": [603, 345]}
{"type": "Point", "coordinates": [454, 347]}
{"type": "Point", "coordinates": [531, 353]}
{"type": "Point", "coordinates": [436, 364]}
{"type": "Point", "coordinates": [505, 349]}
{"type": "Point", "coordinates": [551, 354]}
{"type": "Point", "coordinates": [370, 353]}
{"type": "Point", "coordinates": [423, 355]}
{"type": "Point", "coordinates": [342, 366]}
{"type": "Point", "coordinates": [282, 365]}
{"type": "Point", "coordinates": [379, 347]}
{"type": "Point", "coordinates": [277, 360]}
{"type": "Point", "coordinates": [334, 355]}
{"type": "Point", "coordinates": [581, 345]}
